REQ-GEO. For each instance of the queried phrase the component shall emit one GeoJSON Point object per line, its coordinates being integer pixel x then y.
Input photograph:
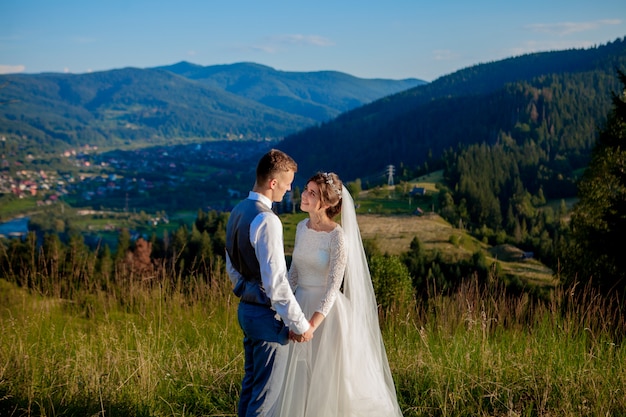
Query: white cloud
{"type": "Point", "coordinates": [277, 43]}
{"type": "Point", "coordinates": [444, 55]}
{"type": "Point", "coordinates": [11, 69]}
{"type": "Point", "coordinates": [567, 28]}
{"type": "Point", "coordinates": [270, 49]}
{"type": "Point", "coordinates": [297, 39]}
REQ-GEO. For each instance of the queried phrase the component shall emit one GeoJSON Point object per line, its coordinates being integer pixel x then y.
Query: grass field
{"type": "Point", "coordinates": [161, 353]}
{"type": "Point", "coordinates": [14, 207]}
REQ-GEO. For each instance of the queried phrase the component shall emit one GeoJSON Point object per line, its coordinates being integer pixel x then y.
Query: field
{"type": "Point", "coordinates": [162, 353]}
{"type": "Point", "coordinates": [394, 234]}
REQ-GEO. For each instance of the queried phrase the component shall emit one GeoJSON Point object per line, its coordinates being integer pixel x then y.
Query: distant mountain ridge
{"type": "Point", "coordinates": [178, 103]}
{"type": "Point", "coordinates": [319, 95]}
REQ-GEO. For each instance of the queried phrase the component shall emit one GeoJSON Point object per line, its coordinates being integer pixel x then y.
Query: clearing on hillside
{"type": "Point", "coordinates": [394, 234]}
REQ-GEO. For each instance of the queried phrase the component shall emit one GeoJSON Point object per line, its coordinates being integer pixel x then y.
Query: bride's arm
{"type": "Point", "coordinates": [316, 319]}
{"type": "Point", "coordinates": [292, 275]}
{"type": "Point", "coordinates": [335, 277]}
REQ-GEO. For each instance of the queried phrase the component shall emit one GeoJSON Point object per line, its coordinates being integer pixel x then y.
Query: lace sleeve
{"type": "Point", "coordinates": [292, 276]}
{"type": "Point", "coordinates": [335, 271]}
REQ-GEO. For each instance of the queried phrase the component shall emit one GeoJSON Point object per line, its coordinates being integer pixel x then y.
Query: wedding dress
{"type": "Point", "coordinates": [343, 371]}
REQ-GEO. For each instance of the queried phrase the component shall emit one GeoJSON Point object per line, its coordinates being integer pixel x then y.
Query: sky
{"type": "Point", "coordinates": [393, 39]}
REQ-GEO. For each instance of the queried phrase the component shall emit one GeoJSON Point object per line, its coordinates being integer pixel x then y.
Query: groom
{"type": "Point", "coordinates": [255, 261]}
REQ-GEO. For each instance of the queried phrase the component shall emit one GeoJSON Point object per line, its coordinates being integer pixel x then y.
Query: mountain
{"type": "Point", "coordinates": [179, 103]}
{"type": "Point", "coordinates": [320, 95]}
{"type": "Point", "coordinates": [555, 100]}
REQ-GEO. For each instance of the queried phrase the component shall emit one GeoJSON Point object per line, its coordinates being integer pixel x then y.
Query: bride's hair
{"type": "Point", "coordinates": [330, 191]}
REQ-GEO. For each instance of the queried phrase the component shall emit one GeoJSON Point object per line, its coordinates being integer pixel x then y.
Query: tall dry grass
{"type": "Point", "coordinates": [156, 344]}
{"type": "Point", "coordinates": [163, 344]}
{"type": "Point", "coordinates": [482, 352]}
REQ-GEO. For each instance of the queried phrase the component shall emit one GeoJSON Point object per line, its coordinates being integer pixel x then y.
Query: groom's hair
{"type": "Point", "coordinates": [272, 163]}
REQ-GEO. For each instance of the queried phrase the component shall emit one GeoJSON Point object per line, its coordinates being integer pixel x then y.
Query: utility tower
{"type": "Point", "coordinates": [390, 170]}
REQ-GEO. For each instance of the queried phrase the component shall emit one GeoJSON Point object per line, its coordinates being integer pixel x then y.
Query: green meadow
{"type": "Point", "coordinates": [162, 347]}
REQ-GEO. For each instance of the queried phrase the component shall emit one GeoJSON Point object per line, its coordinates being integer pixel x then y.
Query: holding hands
{"type": "Point", "coordinates": [304, 337]}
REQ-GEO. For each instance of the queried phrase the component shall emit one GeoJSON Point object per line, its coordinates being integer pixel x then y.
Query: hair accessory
{"type": "Point", "coordinates": [329, 181]}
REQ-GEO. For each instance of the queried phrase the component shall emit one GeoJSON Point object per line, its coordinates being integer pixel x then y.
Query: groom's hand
{"type": "Point", "coordinates": [304, 337]}
{"type": "Point", "coordinates": [308, 335]}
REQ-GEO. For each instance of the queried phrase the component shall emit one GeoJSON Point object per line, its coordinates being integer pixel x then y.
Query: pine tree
{"type": "Point", "coordinates": [598, 224]}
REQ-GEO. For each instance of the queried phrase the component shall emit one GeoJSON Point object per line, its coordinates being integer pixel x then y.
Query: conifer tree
{"type": "Point", "coordinates": [598, 224]}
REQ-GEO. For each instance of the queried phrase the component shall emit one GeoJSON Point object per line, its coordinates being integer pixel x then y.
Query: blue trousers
{"type": "Point", "coordinates": [266, 349]}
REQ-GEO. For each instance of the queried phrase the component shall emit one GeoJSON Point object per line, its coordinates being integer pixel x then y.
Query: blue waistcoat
{"type": "Point", "coordinates": [242, 254]}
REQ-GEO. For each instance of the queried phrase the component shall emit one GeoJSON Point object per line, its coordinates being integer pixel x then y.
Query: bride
{"type": "Point", "coordinates": [343, 370]}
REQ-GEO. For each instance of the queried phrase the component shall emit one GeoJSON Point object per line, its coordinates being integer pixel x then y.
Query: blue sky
{"type": "Point", "coordinates": [369, 39]}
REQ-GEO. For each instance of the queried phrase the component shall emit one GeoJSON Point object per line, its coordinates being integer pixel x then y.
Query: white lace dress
{"type": "Point", "coordinates": [325, 377]}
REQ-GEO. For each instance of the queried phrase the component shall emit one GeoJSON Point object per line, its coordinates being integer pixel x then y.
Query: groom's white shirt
{"type": "Point", "coordinates": [266, 237]}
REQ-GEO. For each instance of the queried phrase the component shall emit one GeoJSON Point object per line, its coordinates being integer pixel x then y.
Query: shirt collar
{"type": "Point", "coordinates": [260, 197]}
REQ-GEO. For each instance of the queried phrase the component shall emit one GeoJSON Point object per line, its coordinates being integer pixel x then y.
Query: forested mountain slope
{"type": "Point", "coordinates": [319, 95]}
{"type": "Point", "coordinates": [175, 104]}
{"type": "Point", "coordinates": [554, 100]}
{"type": "Point", "coordinates": [130, 104]}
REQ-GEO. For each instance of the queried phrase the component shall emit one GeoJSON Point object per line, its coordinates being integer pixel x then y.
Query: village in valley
{"type": "Point", "coordinates": [152, 179]}
{"type": "Point", "coordinates": [87, 174]}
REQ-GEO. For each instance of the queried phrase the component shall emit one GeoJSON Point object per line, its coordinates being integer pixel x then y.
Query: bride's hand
{"type": "Point", "coordinates": [299, 338]}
